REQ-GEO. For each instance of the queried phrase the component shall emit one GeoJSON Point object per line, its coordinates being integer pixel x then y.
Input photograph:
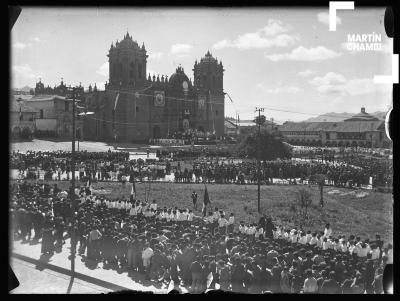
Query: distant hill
{"type": "Point", "coordinates": [337, 117]}
{"type": "Point", "coordinates": [23, 89]}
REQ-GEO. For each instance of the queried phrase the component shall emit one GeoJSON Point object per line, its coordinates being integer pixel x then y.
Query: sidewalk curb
{"type": "Point", "coordinates": [111, 286]}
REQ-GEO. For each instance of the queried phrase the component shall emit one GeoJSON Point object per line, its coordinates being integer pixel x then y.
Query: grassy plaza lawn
{"type": "Point", "coordinates": [347, 214]}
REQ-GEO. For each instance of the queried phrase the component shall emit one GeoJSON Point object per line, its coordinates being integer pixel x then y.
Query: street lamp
{"type": "Point", "coordinates": [84, 114]}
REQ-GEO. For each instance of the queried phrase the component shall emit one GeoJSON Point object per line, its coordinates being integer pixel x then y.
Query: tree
{"type": "Point", "coordinates": [301, 205]}
{"type": "Point", "coordinates": [271, 146]}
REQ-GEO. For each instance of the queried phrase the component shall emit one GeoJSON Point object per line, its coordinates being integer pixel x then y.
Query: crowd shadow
{"type": "Point", "coordinates": [44, 258]}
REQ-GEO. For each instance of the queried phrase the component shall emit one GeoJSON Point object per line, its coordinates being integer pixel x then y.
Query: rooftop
{"type": "Point", "coordinates": [353, 127]}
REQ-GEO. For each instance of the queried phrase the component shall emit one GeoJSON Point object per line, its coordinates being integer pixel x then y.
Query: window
{"type": "Point", "coordinates": [216, 113]}
{"type": "Point", "coordinates": [21, 117]}
{"type": "Point", "coordinates": [137, 109]}
{"type": "Point", "coordinates": [41, 114]}
{"type": "Point", "coordinates": [139, 70]}
{"type": "Point", "coordinates": [66, 106]}
{"type": "Point", "coordinates": [328, 136]}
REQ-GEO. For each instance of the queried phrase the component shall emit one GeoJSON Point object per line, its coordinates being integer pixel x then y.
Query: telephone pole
{"type": "Point", "coordinates": [72, 188]}
{"type": "Point", "coordinates": [259, 110]}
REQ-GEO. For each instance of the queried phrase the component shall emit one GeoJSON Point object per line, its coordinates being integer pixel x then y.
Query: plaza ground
{"type": "Point", "coordinates": [34, 280]}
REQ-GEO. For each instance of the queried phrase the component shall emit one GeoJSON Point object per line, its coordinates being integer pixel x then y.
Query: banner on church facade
{"type": "Point", "coordinates": [159, 98]}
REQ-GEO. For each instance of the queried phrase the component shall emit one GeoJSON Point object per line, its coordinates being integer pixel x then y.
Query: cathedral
{"type": "Point", "coordinates": [135, 107]}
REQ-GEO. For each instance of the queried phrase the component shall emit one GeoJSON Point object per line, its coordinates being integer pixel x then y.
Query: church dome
{"type": "Point", "coordinates": [177, 79]}
{"type": "Point", "coordinates": [362, 116]}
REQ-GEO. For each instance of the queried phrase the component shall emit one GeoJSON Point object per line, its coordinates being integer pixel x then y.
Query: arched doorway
{"type": "Point", "coordinates": [156, 132]}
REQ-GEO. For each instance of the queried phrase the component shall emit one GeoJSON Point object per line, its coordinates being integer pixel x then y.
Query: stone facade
{"type": "Point", "coordinates": [134, 108]}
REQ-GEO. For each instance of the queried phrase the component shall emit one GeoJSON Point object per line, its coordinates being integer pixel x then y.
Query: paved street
{"type": "Point", "coordinates": [35, 281]}
{"type": "Point", "coordinates": [135, 151]}
{"type": "Point", "coordinates": [60, 259]}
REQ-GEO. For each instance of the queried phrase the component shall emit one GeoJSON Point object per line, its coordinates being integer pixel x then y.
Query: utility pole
{"type": "Point", "coordinates": [259, 110]}
{"type": "Point", "coordinates": [72, 188]}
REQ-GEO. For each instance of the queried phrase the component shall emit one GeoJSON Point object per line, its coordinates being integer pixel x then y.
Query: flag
{"type": "Point", "coordinates": [133, 190]}
{"type": "Point", "coordinates": [229, 97]}
{"type": "Point", "coordinates": [206, 200]}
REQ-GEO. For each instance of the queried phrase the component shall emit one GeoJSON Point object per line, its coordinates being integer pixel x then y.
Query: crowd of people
{"type": "Point", "coordinates": [209, 251]}
{"type": "Point", "coordinates": [104, 166]}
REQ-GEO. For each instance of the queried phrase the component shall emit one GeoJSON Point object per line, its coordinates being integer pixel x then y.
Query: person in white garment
{"type": "Point", "coordinates": [147, 254]}
{"type": "Point", "coordinates": [328, 230]}
{"type": "Point", "coordinates": [153, 205]}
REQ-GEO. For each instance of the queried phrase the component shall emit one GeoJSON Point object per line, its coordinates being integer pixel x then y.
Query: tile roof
{"type": "Point", "coordinates": [353, 126]}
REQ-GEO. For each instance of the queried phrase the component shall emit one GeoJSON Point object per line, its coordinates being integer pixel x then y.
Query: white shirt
{"type": "Point", "coordinates": [326, 245]}
{"type": "Point", "coordinates": [313, 240]}
{"type": "Point", "coordinates": [303, 240]}
{"type": "Point", "coordinates": [328, 232]}
{"type": "Point", "coordinates": [375, 253]}
{"type": "Point", "coordinates": [364, 251]}
{"type": "Point", "coordinates": [182, 216]}
{"type": "Point", "coordinates": [259, 233]}
{"type": "Point", "coordinates": [153, 206]}
{"type": "Point", "coordinates": [146, 256]}
{"type": "Point", "coordinates": [222, 222]}
{"type": "Point", "coordinates": [251, 230]}
{"type": "Point", "coordinates": [308, 238]}
{"type": "Point", "coordinates": [132, 211]}
{"type": "Point", "coordinates": [190, 217]}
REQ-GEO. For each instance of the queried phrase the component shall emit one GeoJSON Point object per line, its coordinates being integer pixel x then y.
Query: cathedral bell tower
{"type": "Point", "coordinates": [208, 81]}
{"type": "Point", "coordinates": [127, 63]}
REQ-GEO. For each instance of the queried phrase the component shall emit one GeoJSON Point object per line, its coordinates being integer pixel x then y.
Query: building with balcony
{"type": "Point", "coordinates": [362, 130]}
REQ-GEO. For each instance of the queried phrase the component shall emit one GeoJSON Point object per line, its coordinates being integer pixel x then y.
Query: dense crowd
{"type": "Point", "coordinates": [208, 251]}
{"type": "Point", "coordinates": [102, 166]}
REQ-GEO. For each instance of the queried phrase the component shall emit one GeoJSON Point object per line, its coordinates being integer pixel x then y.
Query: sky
{"type": "Point", "coordinates": [284, 60]}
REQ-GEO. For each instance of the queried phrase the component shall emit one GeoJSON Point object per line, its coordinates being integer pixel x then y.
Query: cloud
{"type": "Point", "coordinates": [337, 84]}
{"type": "Point", "coordinates": [305, 54]}
{"type": "Point", "coordinates": [324, 19]}
{"type": "Point", "coordinates": [181, 49]}
{"type": "Point", "coordinates": [23, 75]}
{"type": "Point", "coordinates": [103, 69]}
{"type": "Point", "coordinates": [36, 39]}
{"type": "Point", "coordinates": [280, 89]}
{"type": "Point", "coordinates": [156, 55]}
{"type": "Point", "coordinates": [21, 46]}
{"type": "Point", "coordinates": [269, 36]}
{"type": "Point", "coordinates": [305, 73]}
